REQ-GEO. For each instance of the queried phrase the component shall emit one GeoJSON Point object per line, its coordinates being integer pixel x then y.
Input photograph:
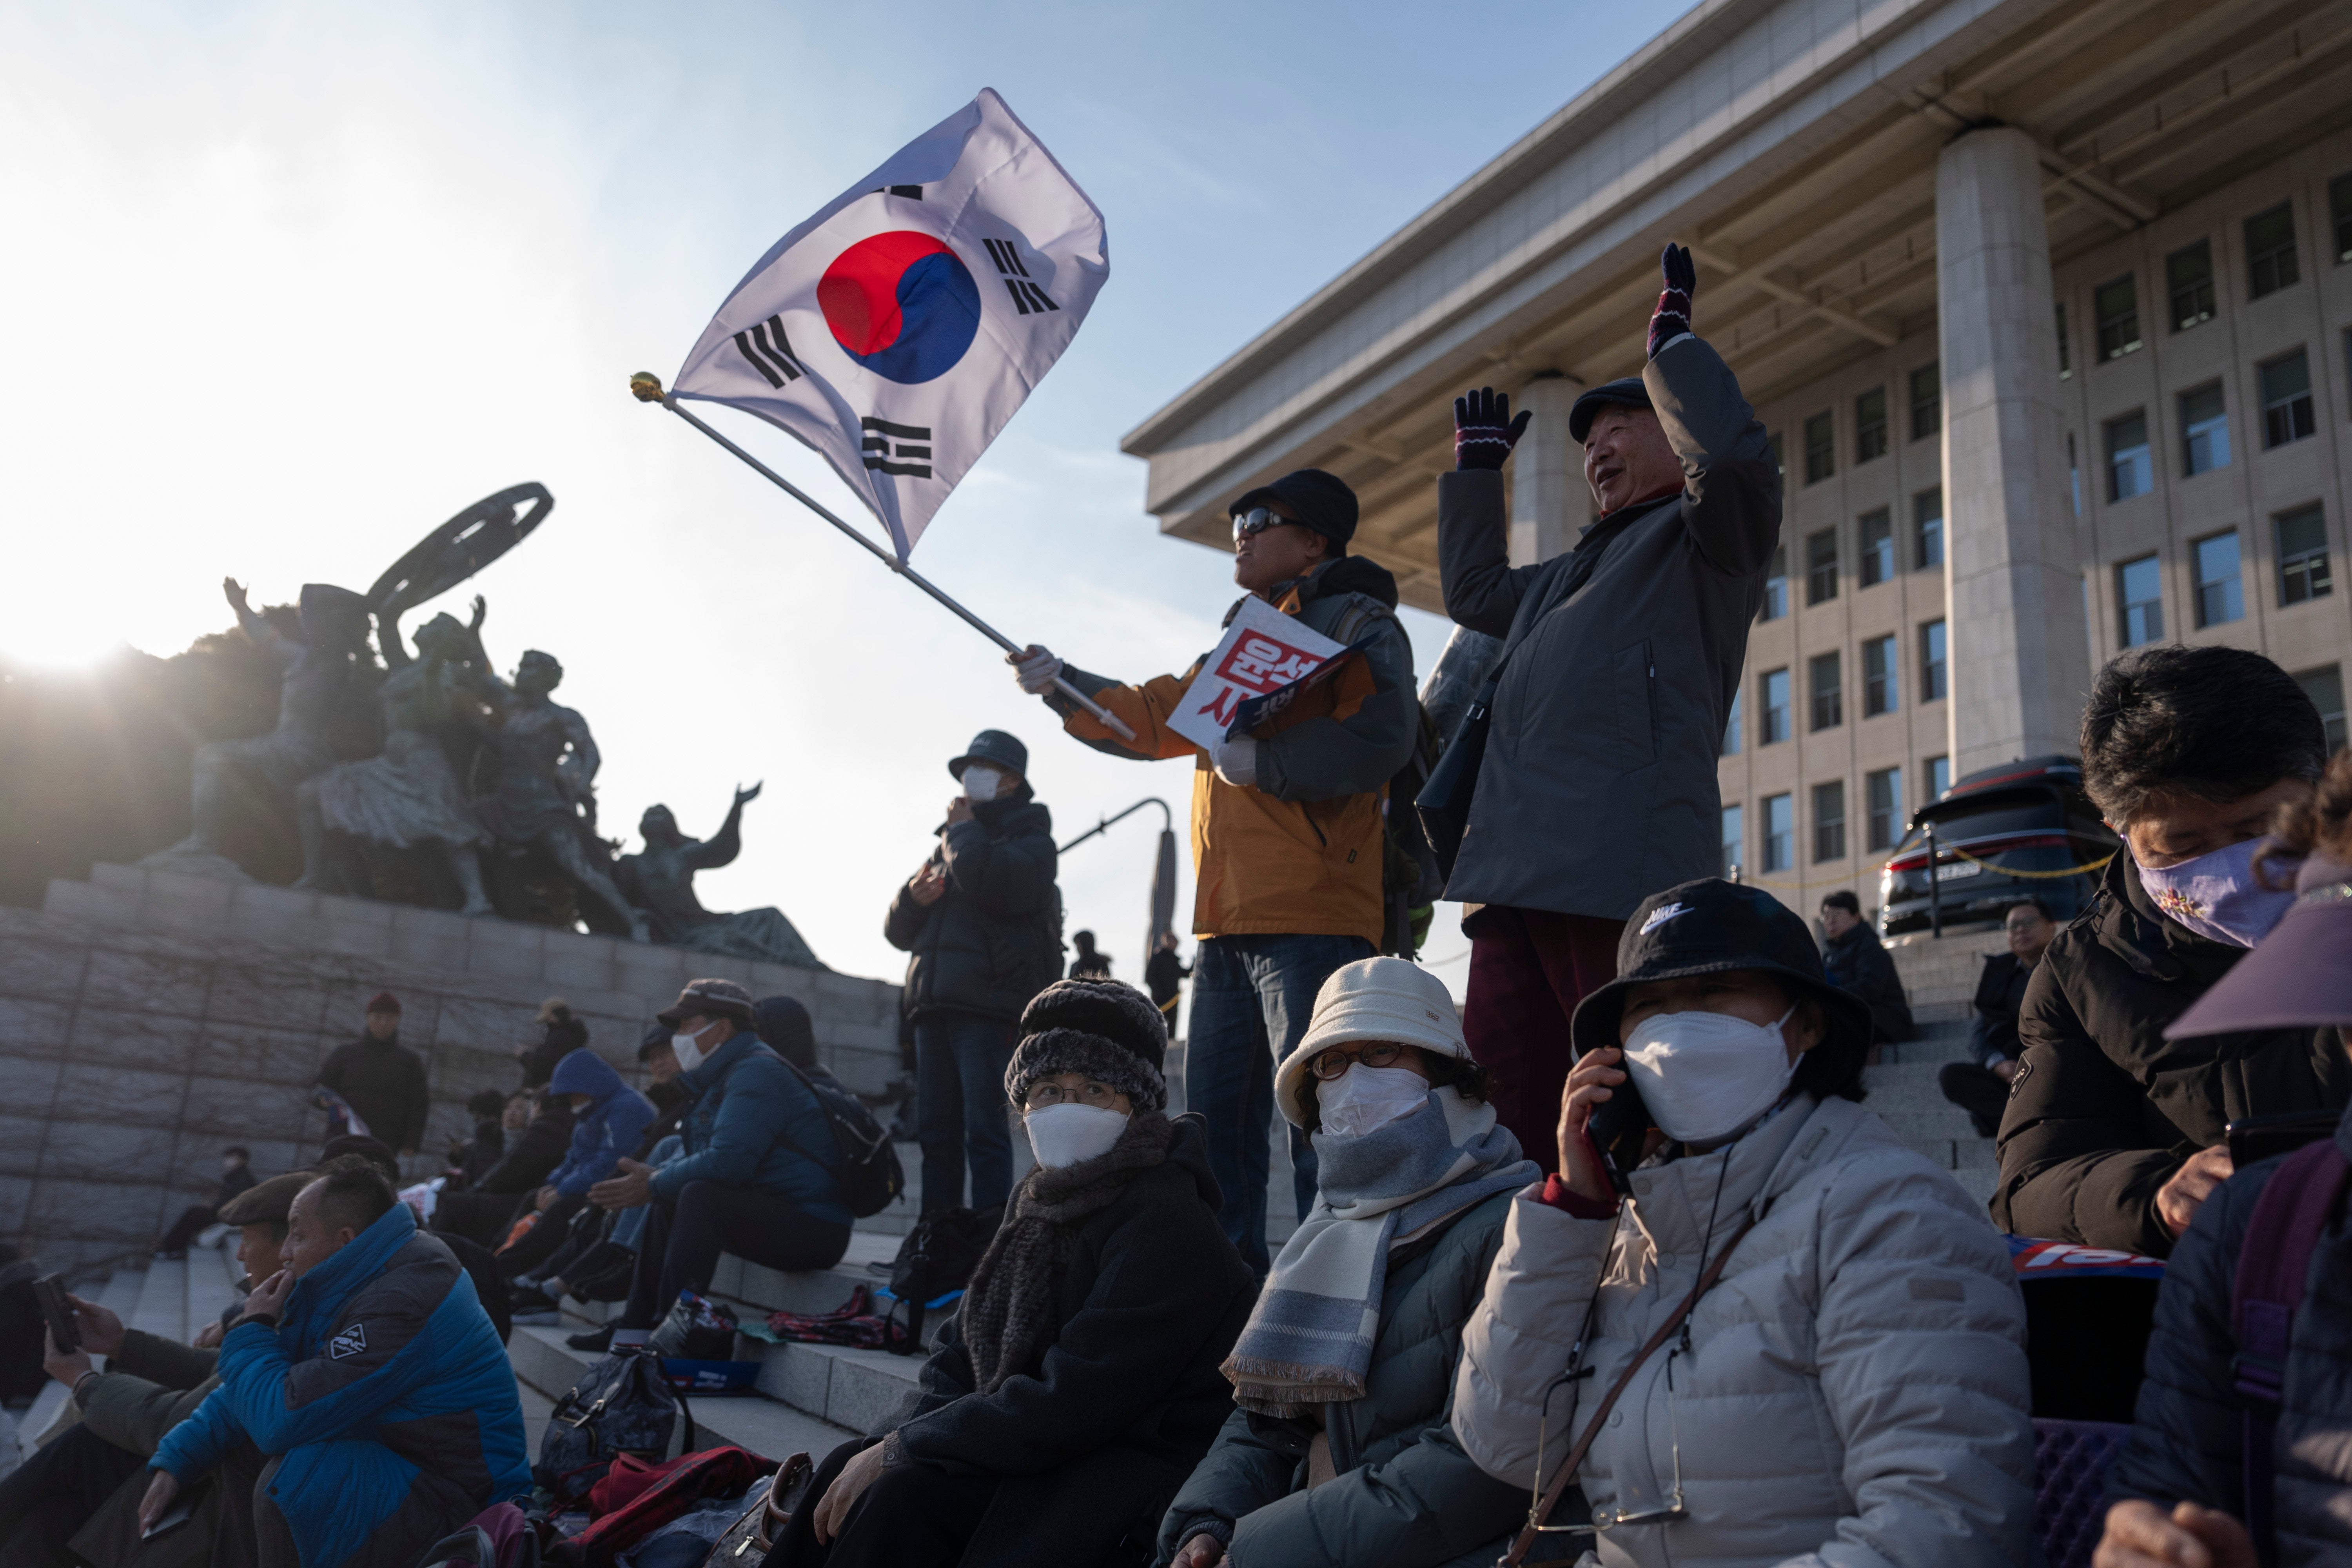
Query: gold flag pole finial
{"type": "Point", "coordinates": [645, 386]}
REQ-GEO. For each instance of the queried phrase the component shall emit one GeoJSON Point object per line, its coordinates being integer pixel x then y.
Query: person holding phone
{"type": "Point", "coordinates": [1763, 1326]}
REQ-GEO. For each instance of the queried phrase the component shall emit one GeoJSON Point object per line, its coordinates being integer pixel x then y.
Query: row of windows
{"type": "Point", "coordinates": [1872, 428]}
{"type": "Point", "coordinates": [1883, 819]}
{"type": "Point", "coordinates": [2204, 426]}
{"type": "Point", "coordinates": [2304, 574]}
{"type": "Point", "coordinates": [1881, 557]}
{"type": "Point", "coordinates": [1882, 680]}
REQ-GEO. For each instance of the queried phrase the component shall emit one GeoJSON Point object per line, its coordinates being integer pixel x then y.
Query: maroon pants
{"type": "Point", "coordinates": [1528, 969]}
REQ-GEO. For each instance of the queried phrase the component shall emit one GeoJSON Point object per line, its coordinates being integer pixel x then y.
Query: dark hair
{"type": "Point", "coordinates": [1844, 900]}
{"type": "Point", "coordinates": [354, 1193]}
{"type": "Point", "coordinates": [239, 1150]}
{"type": "Point", "coordinates": [1472, 1081]}
{"type": "Point", "coordinates": [487, 1102]}
{"type": "Point", "coordinates": [2028, 902]}
{"type": "Point", "coordinates": [2214, 723]}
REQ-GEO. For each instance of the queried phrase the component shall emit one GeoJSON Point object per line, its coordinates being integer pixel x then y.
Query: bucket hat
{"type": "Point", "coordinates": [1371, 999]}
{"type": "Point", "coordinates": [995, 748]}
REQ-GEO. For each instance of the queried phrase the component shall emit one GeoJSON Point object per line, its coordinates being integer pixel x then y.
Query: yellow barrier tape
{"type": "Point", "coordinates": [2036, 876]}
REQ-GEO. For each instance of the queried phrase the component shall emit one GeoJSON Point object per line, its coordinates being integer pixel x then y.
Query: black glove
{"type": "Point", "coordinates": [1672, 318]}
{"type": "Point", "coordinates": [1483, 430]}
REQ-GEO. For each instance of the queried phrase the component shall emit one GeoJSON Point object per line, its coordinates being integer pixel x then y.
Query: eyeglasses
{"type": "Point", "coordinates": [1329, 1064]}
{"type": "Point", "coordinates": [1256, 520]}
{"type": "Point", "coordinates": [1045, 1092]}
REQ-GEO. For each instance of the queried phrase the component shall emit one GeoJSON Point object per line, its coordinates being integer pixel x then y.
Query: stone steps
{"type": "Point", "coordinates": [544, 1363]}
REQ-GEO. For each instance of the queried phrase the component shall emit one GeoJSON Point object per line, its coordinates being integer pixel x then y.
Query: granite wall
{"type": "Point", "coordinates": [148, 1018]}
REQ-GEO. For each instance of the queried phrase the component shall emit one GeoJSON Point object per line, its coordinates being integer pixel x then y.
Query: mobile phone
{"type": "Point", "coordinates": [58, 1313]}
{"type": "Point", "coordinates": [182, 1509]}
{"type": "Point", "coordinates": [1616, 1127]}
{"type": "Point", "coordinates": [2257, 1138]}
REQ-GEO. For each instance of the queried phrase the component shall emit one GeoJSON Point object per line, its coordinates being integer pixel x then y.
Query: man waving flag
{"type": "Point", "coordinates": [898, 330]}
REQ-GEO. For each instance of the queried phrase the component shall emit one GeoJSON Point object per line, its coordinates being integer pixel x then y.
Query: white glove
{"type": "Point", "coordinates": [1235, 760]}
{"type": "Point", "coordinates": [1036, 669]}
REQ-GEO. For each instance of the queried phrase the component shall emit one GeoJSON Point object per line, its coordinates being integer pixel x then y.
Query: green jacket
{"type": "Point", "coordinates": [149, 1386]}
{"type": "Point", "coordinates": [1405, 1496]}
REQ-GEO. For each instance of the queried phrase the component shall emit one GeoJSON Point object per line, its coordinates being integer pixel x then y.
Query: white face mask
{"type": "Point", "coordinates": [687, 1050]}
{"type": "Point", "coordinates": [1066, 1133]}
{"type": "Point", "coordinates": [1364, 1100]}
{"type": "Point", "coordinates": [1706, 1075]}
{"type": "Point", "coordinates": [2218, 895]}
{"type": "Point", "coordinates": [980, 783]}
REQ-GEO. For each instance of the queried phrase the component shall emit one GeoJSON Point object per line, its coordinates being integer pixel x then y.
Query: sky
{"type": "Point", "coordinates": [289, 284]}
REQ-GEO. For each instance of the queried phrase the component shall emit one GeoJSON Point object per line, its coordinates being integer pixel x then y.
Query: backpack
{"type": "Point", "coordinates": [621, 1405]}
{"type": "Point", "coordinates": [936, 1260]}
{"type": "Point", "coordinates": [869, 1174]}
{"type": "Point", "coordinates": [2273, 1270]}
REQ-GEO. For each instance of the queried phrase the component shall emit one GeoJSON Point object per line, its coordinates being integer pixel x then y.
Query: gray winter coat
{"type": "Point", "coordinates": [1598, 786]}
{"type": "Point", "coordinates": [1855, 1383]}
{"type": "Point", "coordinates": [1405, 1496]}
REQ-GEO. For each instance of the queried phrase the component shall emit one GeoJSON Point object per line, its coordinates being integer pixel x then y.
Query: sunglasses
{"type": "Point", "coordinates": [1256, 520]}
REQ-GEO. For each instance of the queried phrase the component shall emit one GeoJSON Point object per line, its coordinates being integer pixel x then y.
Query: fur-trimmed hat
{"type": "Point", "coordinates": [1103, 1028]}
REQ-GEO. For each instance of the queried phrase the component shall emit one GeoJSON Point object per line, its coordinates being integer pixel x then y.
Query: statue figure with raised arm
{"type": "Point", "coordinates": [546, 797]}
{"type": "Point", "coordinates": [408, 797]}
{"type": "Point", "coordinates": [319, 677]}
{"type": "Point", "coordinates": [659, 880]}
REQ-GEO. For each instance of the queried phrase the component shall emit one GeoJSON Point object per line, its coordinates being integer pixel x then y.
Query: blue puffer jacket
{"type": "Point", "coordinates": [755, 1124]}
{"type": "Point", "coordinates": [608, 1129]}
{"type": "Point", "coordinates": [384, 1402]}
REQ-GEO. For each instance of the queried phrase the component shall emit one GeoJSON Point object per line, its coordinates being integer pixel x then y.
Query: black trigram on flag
{"type": "Point", "coordinates": [768, 354]}
{"type": "Point", "coordinates": [912, 193]}
{"type": "Point", "coordinates": [909, 445]}
{"type": "Point", "coordinates": [1031, 299]}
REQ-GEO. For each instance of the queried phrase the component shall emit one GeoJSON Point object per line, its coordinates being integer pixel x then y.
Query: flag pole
{"type": "Point", "coordinates": [648, 389]}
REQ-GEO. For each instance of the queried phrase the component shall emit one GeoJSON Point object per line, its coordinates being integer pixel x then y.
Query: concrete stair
{"type": "Point", "coordinates": [169, 1298]}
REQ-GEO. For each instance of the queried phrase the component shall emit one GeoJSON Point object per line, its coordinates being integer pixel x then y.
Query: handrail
{"type": "Point", "coordinates": [1167, 826]}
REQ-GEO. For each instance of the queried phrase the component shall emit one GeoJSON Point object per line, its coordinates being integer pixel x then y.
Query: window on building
{"type": "Point", "coordinates": [1877, 530]}
{"type": "Point", "coordinates": [1829, 822]}
{"type": "Point", "coordinates": [2073, 476]}
{"type": "Point", "coordinates": [2302, 556]}
{"type": "Point", "coordinates": [2339, 209]}
{"type": "Point", "coordinates": [1776, 585]}
{"type": "Point", "coordinates": [1734, 835]}
{"type": "Point", "coordinates": [1939, 779]}
{"type": "Point", "coordinates": [1779, 832]}
{"type": "Point", "coordinates": [2270, 251]}
{"type": "Point", "coordinates": [1774, 705]}
{"type": "Point", "coordinates": [1933, 684]}
{"type": "Point", "coordinates": [1883, 793]}
{"type": "Point", "coordinates": [2325, 687]}
{"type": "Point", "coordinates": [2286, 399]}
{"type": "Point", "coordinates": [2130, 471]}
{"type": "Point", "coordinates": [1823, 675]}
{"type": "Point", "coordinates": [1927, 530]}
{"type": "Point", "coordinates": [2115, 309]}
{"type": "Point", "coordinates": [1880, 678]}
{"type": "Point", "coordinates": [1731, 726]}
{"type": "Point", "coordinates": [1821, 447]}
{"type": "Point", "coordinates": [1926, 401]}
{"type": "Point", "coordinates": [2204, 431]}
{"type": "Point", "coordinates": [2065, 359]}
{"type": "Point", "coordinates": [2220, 597]}
{"type": "Point", "coordinates": [2188, 278]}
{"type": "Point", "coordinates": [2139, 601]}
{"type": "Point", "coordinates": [1773, 441]}
{"type": "Point", "coordinates": [1821, 566]}
{"type": "Point", "coordinates": [1870, 424]}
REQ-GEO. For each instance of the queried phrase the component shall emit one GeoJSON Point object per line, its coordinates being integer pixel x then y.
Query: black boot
{"type": "Point", "coordinates": [598, 1340]}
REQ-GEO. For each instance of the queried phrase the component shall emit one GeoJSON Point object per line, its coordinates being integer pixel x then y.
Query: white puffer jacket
{"type": "Point", "coordinates": [1854, 1392]}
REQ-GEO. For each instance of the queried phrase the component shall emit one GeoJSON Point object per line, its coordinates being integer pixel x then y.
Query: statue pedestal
{"type": "Point", "coordinates": [149, 1017]}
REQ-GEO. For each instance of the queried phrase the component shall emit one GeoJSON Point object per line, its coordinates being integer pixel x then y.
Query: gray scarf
{"type": "Point", "coordinates": [1008, 1308]}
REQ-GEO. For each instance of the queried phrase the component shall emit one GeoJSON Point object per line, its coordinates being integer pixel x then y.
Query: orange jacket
{"type": "Point", "coordinates": [1300, 851]}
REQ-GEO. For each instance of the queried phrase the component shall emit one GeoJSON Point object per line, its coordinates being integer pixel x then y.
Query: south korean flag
{"type": "Point", "coordinates": [898, 330]}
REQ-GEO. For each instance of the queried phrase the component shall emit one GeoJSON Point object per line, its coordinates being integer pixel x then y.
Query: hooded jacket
{"type": "Point", "coordinates": [755, 1124]}
{"type": "Point", "coordinates": [383, 1080]}
{"type": "Point", "coordinates": [993, 939]}
{"type": "Point", "coordinates": [2104, 1108]}
{"type": "Point", "coordinates": [1854, 1391]}
{"type": "Point", "coordinates": [1404, 1495]}
{"type": "Point", "coordinates": [608, 1129]}
{"type": "Point", "coordinates": [383, 1402]}
{"type": "Point", "coordinates": [1127, 1397]}
{"type": "Point", "coordinates": [1599, 785]}
{"type": "Point", "coordinates": [1300, 851]}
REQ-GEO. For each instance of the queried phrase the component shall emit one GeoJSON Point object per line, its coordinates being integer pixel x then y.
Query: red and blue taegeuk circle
{"type": "Point", "coordinates": [901, 304]}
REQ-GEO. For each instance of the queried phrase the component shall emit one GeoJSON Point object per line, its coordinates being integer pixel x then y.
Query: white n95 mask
{"type": "Point", "coordinates": [980, 783]}
{"type": "Point", "coordinates": [1364, 1100]}
{"type": "Point", "coordinates": [1066, 1133]}
{"type": "Point", "coordinates": [1705, 1076]}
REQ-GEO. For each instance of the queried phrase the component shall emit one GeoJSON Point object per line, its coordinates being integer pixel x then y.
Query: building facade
{"type": "Point", "coordinates": [2047, 306]}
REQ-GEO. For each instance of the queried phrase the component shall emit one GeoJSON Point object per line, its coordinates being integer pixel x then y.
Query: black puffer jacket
{"type": "Point", "coordinates": [1859, 963]}
{"type": "Point", "coordinates": [2187, 1434]}
{"type": "Point", "coordinates": [383, 1080]}
{"type": "Point", "coordinates": [2104, 1109]}
{"type": "Point", "coordinates": [994, 939]}
{"type": "Point", "coordinates": [1127, 1398]}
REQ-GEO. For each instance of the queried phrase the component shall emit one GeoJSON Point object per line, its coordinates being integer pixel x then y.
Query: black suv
{"type": "Point", "coordinates": [2030, 815]}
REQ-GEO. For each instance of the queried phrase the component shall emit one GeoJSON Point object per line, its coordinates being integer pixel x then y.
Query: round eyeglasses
{"type": "Point", "coordinates": [1045, 1092]}
{"type": "Point", "coordinates": [1329, 1064]}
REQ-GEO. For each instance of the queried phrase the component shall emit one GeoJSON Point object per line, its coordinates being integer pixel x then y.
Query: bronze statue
{"type": "Point", "coordinates": [409, 797]}
{"type": "Point", "coordinates": [659, 880]}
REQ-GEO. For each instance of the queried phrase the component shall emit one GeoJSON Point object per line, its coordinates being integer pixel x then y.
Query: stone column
{"type": "Point", "coordinates": [2016, 638]}
{"type": "Point", "coordinates": [1550, 499]}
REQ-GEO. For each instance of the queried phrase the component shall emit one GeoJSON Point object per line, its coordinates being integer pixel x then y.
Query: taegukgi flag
{"type": "Point", "coordinates": [898, 330]}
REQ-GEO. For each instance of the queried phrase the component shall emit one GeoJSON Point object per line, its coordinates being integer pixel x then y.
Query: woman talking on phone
{"type": "Point", "coordinates": [1759, 1328]}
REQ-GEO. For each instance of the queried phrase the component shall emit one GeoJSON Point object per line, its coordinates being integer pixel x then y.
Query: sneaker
{"type": "Point", "coordinates": [528, 1304]}
{"type": "Point", "coordinates": [596, 1340]}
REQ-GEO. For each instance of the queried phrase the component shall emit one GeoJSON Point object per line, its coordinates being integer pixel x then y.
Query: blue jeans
{"type": "Point", "coordinates": [960, 1061]}
{"type": "Point", "coordinates": [631, 1224]}
{"type": "Point", "coordinates": [1251, 999]}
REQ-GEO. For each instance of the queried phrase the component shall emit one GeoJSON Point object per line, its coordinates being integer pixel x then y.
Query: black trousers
{"type": "Point", "coordinates": [52, 1494]}
{"type": "Point", "coordinates": [683, 1241]}
{"type": "Point", "coordinates": [1979, 1090]}
{"type": "Point", "coordinates": [913, 1516]}
{"type": "Point", "coordinates": [540, 1243]}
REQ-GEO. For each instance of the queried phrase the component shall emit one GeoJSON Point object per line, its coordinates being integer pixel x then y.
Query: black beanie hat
{"type": "Point", "coordinates": [1103, 1028]}
{"type": "Point", "coordinates": [1323, 502]}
